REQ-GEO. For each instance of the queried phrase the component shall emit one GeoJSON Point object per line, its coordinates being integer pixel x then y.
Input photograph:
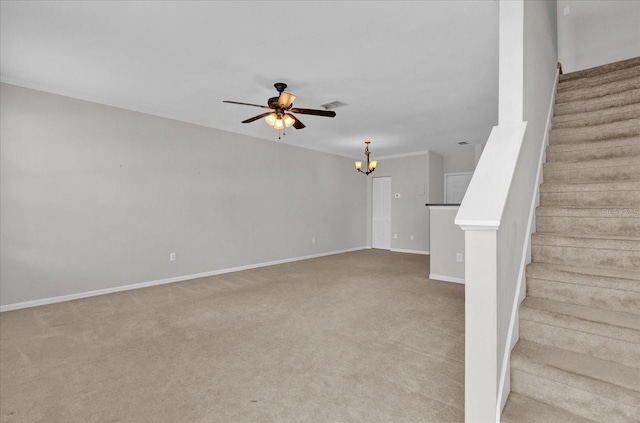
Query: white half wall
{"type": "Point", "coordinates": [94, 198]}
{"type": "Point", "coordinates": [447, 245]}
{"type": "Point", "coordinates": [496, 211]}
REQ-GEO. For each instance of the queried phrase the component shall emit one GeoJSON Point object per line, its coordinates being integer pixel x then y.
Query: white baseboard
{"type": "Point", "coordinates": [61, 298]}
{"type": "Point", "coordinates": [397, 250]}
{"type": "Point", "coordinates": [446, 278]}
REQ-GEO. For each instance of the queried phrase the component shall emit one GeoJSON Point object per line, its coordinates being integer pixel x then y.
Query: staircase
{"type": "Point", "coordinates": [578, 357]}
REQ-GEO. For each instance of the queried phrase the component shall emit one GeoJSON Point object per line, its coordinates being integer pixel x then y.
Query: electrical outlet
{"type": "Point", "coordinates": [172, 257]}
{"type": "Point", "coordinates": [567, 11]}
{"type": "Point", "coordinates": [459, 257]}
{"type": "Point", "coordinates": [313, 240]}
{"type": "Point", "coordinates": [395, 236]}
{"type": "Point", "coordinates": [411, 237]}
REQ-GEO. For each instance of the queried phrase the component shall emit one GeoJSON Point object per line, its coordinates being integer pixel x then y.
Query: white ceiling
{"type": "Point", "coordinates": [415, 75]}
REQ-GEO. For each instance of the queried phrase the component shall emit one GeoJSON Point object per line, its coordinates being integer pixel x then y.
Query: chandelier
{"type": "Point", "coordinates": [371, 165]}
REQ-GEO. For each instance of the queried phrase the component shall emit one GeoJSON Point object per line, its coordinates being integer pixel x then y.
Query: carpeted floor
{"type": "Point", "coordinates": [356, 337]}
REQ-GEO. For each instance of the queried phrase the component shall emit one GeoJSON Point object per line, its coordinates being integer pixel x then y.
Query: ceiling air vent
{"type": "Point", "coordinates": [463, 143]}
{"type": "Point", "coordinates": [333, 105]}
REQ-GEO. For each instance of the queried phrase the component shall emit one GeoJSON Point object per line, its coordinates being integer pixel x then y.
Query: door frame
{"type": "Point", "coordinates": [372, 208]}
{"type": "Point", "coordinates": [445, 182]}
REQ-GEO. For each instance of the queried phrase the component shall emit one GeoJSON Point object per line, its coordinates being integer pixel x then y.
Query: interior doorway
{"type": "Point", "coordinates": [381, 213]}
{"type": "Point", "coordinates": [455, 186]}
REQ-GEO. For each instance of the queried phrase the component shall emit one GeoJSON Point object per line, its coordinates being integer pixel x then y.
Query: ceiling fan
{"type": "Point", "coordinates": [281, 109]}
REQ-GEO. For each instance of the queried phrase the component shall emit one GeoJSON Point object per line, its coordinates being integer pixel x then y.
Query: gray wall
{"type": "Point", "coordinates": [463, 162]}
{"type": "Point", "coordinates": [436, 178]}
{"type": "Point", "coordinates": [409, 215]}
{"type": "Point", "coordinates": [95, 197]}
{"type": "Point", "coordinates": [597, 32]}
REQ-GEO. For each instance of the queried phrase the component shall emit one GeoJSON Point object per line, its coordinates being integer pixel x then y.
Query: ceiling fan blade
{"type": "Point", "coordinates": [297, 124]}
{"type": "Point", "coordinates": [246, 104]}
{"type": "Point", "coordinates": [327, 113]}
{"type": "Point", "coordinates": [286, 100]}
{"type": "Point", "coordinates": [256, 117]}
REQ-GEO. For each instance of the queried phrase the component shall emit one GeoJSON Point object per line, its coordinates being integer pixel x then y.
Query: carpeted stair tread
{"type": "Point", "coordinates": [605, 298]}
{"type": "Point", "coordinates": [633, 82]}
{"type": "Point", "coordinates": [585, 241]}
{"type": "Point", "coordinates": [585, 160]}
{"type": "Point", "coordinates": [578, 221]}
{"type": "Point", "coordinates": [599, 103]}
{"type": "Point", "coordinates": [587, 386]}
{"type": "Point", "coordinates": [626, 128]}
{"type": "Point", "coordinates": [600, 70]}
{"type": "Point", "coordinates": [552, 270]}
{"type": "Point", "coordinates": [588, 212]}
{"type": "Point", "coordinates": [586, 330]}
{"type": "Point", "coordinates": [589, 198]}
{"type": "Point", "coordinates": [588, 145]}
{"type": "Point", "coordinates": [585, 225]}
{"type": "Point", "coordinates": [605, 251]}
{"type": "Point", "coordinates": [590, 367]}
{"type": "Point", "coordinates": [544, 388]}
{"type": "Point", "coordinates": [595, 80]}
{"type": "Point", "coordinates": [615, 289]}
{"type": "Point", "coordinates": [523, 409]}
{"type": "Point", "coordinates": [597, 117]}
{"type": "Point", "coordinates": [628, 323]}
{"type": "Point", "coordinates": [609, 174]}
{"type": "Point", "coordinates": [594, 154]}
{"type": "Point", "coordinates": [577, 187]}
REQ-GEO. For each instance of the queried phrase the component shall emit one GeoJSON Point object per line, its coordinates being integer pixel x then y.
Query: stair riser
{"type": "Point", "coordinates": [599, 346]}
{"type": "Point", "coordinates": [590, 105]}
{"type": "Point", "coordinates": [591, 145]}
{"type": "Point", "coordinates": [594, 81]}
{"type": "Point", "coordinates": [591, 199]}
{"type": "Point", "coordinates": [594, 133]}
{"type": "Point", "coordinates": [629, 152]}
{"type": "Point", "coordinates": [587, 257]}
{"type": "Point", "coordinates": [598, 91]}
{"type": "Point", "coordinates": [597, 226]}
{"type": "Point", "coordinates": [625, 281]}
{"type": "Point", "coordinates": [580, 120]}
{"type": "Point", "coordinates": [595, 175]}
{"type": "Point", "coordinates": [590, 296]}
{"type": "Point", "coordinates": [572, 399]}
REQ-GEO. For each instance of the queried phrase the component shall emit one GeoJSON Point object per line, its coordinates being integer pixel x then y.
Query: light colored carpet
{"type": "Point", "coordinates": [578, 358]}
{"type": "Point", "coordinates": [356, 337]}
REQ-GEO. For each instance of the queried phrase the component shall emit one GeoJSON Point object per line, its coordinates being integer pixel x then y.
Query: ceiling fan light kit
{"type": "Point", "coordinates": [371, 164]}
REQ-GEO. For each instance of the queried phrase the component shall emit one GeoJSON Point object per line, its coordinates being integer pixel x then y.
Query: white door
{"type": "Point", "coordinates": [455, 186]}
{"type": "Point", "coordinates": [381, 213]}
